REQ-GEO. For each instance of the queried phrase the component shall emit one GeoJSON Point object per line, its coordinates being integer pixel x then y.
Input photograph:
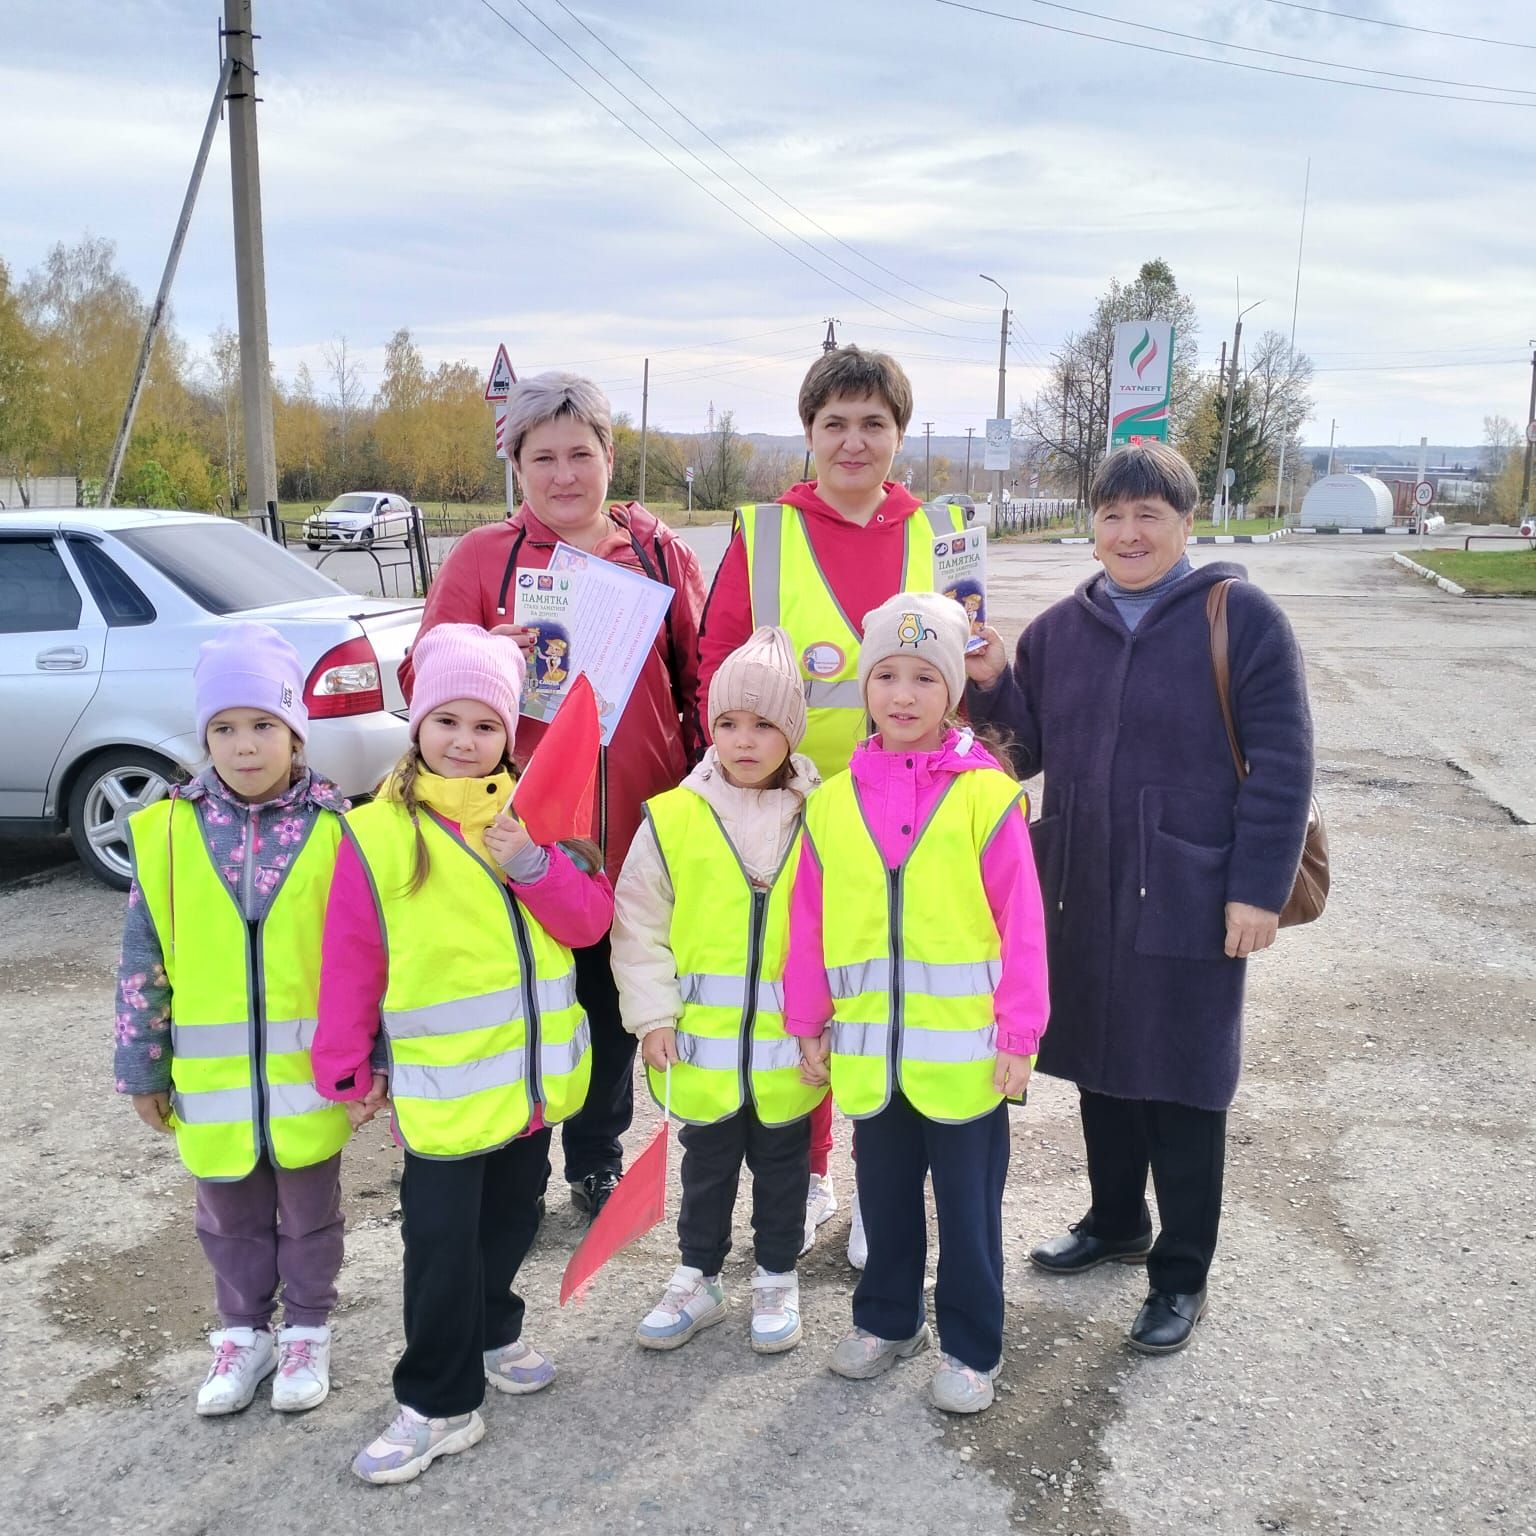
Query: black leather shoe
{"type": "Point", "coordinates": [591, 1193]}
{"type": "Point", "coordinates": [1166, 1321]}
{"type": "Point", "coordinates": [1076, 1250]}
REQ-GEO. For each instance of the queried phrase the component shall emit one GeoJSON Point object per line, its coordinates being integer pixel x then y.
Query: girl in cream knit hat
{"type": "Point", "coordinates": [700, 929]}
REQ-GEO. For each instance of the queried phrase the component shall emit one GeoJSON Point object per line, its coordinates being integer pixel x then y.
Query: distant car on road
{"type": "Point", "coordinates": [101, 616]}
{"type": "Point", "coordinates": [361, 518]}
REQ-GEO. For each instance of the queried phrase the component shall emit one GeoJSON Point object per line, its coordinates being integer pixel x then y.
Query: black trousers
{"type": "Point", "coordinates": [779, 1157]}
{"type": "Point", "coordinates": [468, 1225]}
{"type": "Point", "coordinates": [894, 1151]}
{"type": "Point", "coordinates": [1185, 1149]}
{"type": "Point", "coordinates": [591, 1137]}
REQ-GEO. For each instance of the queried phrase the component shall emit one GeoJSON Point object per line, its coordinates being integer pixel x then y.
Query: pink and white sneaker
{"type": "Point", "coordinates": [303, 1369]}
{"type": "Point", "coordinates": [243, 1358]}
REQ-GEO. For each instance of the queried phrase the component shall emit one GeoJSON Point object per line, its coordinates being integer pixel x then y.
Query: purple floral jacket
{"type": "Point", "coordinates": [251, 845]}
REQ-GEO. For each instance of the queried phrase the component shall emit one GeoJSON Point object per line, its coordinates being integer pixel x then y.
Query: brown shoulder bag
{"type": "Point", "coordinates": [1309, 895]}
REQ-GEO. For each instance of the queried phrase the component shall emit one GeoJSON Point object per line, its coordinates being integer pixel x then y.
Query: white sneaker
{"type": "Point", "coordinates": [691, 1301]}
{"type": "Point", "coordinates": [820, 1207]}
{"type": "Point", "coordinates": [858, 1244]}
{"type": "Point", "coordinates": [957, 1388]}
{"type": "Point", "coordinates": [243, 1358]}
{"type": "Point", "coordinates": [862, 1354]}
{"type": "Point", "coordinates": [775, 1311]}
{"type": "Point", "coordinates": [303, 1369]}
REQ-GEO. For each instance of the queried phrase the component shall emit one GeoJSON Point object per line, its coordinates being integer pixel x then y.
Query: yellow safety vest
{"type": "Point", "coordinates": [242, 1001]}
{"type": "Point", "coordinates": [480, 1011]}
{"type": "Point", "coordinates": [913, 955]}
{"type": "Point", "coordinates": [729, 939]}
{"type": "Point", "coordinates": [789, 588]}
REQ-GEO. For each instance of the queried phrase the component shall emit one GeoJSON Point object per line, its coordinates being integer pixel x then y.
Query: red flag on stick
{"type": "Point", "coordinates": [639, 1202]}
{"type": "Point", "coordinates": [553, 797]}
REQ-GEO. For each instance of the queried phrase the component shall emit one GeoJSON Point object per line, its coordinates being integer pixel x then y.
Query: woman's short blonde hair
{"type": "Point", "coordinates": [548, 396]}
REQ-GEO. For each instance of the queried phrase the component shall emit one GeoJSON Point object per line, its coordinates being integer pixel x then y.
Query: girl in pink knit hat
{"type": "Point", "coordinates": [448, 992]}
{"type": "Point", "coordinates": [701, 923]}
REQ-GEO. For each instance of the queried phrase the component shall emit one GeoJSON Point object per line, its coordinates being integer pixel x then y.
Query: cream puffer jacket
{"type": "Point", "coordinates": [760, 824]}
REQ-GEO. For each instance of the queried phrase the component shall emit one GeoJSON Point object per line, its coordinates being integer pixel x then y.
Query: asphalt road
{"type": "Point", "coordinates": [1366, 1366]}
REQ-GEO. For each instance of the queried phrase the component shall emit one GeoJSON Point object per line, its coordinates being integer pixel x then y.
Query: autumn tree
{"type": "Point", "coordinates": [1500, 438]}
{"type": "Point", "coordinates": [21, 388]}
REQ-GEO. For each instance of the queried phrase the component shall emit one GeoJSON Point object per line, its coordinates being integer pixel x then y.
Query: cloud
{"type": "Point", "coordinates": [423, 166]}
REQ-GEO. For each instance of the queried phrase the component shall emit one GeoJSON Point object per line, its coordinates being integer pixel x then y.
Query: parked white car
{"type": "Point", "coordinates": [101, 616]}
{"type": "Point", "coordinates": [359, 517]}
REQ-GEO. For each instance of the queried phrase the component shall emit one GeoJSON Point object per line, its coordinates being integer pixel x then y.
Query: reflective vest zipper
{"type": "Point", "coordinates": [602, 800]}
{"type": "Point", "coordinates": [893, 881]}
{"type": "Point", "coordinates": [749, 1004]}
{"type": "Point", "coordinates": [257, 987]}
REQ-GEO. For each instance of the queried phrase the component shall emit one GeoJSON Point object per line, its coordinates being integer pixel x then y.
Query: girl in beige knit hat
{"type": "Point", "coordinates": [700, 930]}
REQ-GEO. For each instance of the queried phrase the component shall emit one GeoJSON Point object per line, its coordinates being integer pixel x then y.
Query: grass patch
{"type": "Point", "coordinates": [1488, 573]}
{"type": "Point", "coordinates": [1241, 525]}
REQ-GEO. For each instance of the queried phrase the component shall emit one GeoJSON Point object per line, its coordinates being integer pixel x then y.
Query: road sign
{"type": "Point", "coordinates": [999, 449]}
{"type": "Point", "coordinates": [502, 378]}
{"type": "Point", "coordinates": [1423, 493]}
{"type": "Point", "coordinates": [1530, 432]}
{"type": "Point", "coordinates": [1229, 477]}
{"type": "Point", "coordinates": [688, 474]}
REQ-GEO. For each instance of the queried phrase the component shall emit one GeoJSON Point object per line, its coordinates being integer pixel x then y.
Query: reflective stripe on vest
{"type": "Point", "coordinates": [789, 588]}
{"type": "Point", "coordinates": [219, 979]}
{"type": "Point", "coordinates": [905, 1010]}
{"type": "Point", "coordinates": [479, 1011]}
{"type": "Point", "coordinates": [728, 941]}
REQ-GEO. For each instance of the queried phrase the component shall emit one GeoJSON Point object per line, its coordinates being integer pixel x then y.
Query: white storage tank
{"type": "Point", "coordinates": [1347, 501]}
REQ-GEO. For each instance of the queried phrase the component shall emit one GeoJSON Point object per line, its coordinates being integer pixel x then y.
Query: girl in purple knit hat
{"type": "Point", "coordinates": [216, 1000]}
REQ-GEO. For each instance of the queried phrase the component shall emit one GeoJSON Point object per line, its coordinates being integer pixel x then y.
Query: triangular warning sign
{"type": "Point", "coordinates": [502, 377]}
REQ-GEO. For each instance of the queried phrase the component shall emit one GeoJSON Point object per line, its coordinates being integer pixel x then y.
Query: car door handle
{"type": "Point", "coordinates": [62, 658]}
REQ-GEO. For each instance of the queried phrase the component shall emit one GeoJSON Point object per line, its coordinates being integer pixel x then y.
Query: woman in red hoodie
{"type": "Point", "coordinates": [559, 434]}
{"type": "Point", "coordinates": [828, 550]}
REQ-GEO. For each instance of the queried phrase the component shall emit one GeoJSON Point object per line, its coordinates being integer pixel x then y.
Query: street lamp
{"type": "Point", "coordinates": [1226, 423]}
{"type": "Point", "coordinates": [1002, 399]}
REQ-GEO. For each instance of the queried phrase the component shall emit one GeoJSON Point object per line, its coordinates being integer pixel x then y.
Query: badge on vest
{"type": "Point", "coordinates": [823, 659]}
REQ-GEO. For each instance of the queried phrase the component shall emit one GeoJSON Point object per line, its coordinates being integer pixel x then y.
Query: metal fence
{"type": "Point", "coordinates": [1034, 514]}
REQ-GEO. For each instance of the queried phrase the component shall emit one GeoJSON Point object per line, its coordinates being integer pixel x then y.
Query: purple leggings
{"type": "Point", "coordinates": [274, 1226]}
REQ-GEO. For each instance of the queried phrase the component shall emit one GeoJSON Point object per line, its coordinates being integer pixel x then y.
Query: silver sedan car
{"type": "Point", "coordinates": [101, 616]}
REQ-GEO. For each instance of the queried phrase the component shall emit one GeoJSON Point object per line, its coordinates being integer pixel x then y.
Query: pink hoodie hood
{"type": "Point", "coordinates": [899, 502]}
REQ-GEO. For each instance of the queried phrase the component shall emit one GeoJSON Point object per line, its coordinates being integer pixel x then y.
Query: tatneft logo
{"type": "Point", "coordinates": [1143, 354]}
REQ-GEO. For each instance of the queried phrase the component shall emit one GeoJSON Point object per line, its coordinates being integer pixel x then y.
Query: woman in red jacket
{"type": "Point", "coordinates": [559, 434]}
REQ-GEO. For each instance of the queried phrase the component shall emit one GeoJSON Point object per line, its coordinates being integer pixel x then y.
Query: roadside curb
{"type": "Point", "coordinates": [1209, 538]}
{"type": "Point", "coordinates": [1443, 582]}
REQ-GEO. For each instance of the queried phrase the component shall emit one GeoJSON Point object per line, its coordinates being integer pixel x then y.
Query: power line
{"type": "Point", "coordinates": [1260, 69]}
{"type": "Point", "coordinates": [736, 212]}
{"type": "Point", "coordinates": [1273, 53]}
{"type": "Point", "coordinates": [1479, 362]}
{"type": "Point", "coordinates": [1403, 26]}
{"type": "Point", "coordinates": [879, 266]}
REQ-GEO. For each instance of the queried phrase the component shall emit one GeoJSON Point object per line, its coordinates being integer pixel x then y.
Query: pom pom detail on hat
{"type": "Point", "coordinates": [762, 678]}
{"type": "Point", "coordinates": [463, 661]}
{"type": "Point", "coordinates": [925, 624]}
{"type": "Point", "coordinates": [249, 666]}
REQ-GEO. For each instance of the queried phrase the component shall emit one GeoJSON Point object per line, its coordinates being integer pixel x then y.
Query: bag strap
{"type": "Point", "coordinates": [1216, 615]}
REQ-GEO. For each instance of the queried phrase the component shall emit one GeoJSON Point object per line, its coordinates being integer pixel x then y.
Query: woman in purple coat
{"type": "Point", "coordinates": [1161, 873]}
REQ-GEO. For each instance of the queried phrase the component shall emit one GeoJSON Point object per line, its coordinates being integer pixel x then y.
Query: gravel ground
{"type": "Point", "coordinates": [1365, 1367]}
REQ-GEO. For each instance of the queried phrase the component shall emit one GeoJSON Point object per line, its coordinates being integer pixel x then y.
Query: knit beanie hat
{"type": "Point", "coordinates": [922, 624]}
{"type": "Point", "coordinates": [761, 677]}
{"type": "Point", "coordinates": [249, 666]}
{"type": "Point", "coordinates": [463, 661]}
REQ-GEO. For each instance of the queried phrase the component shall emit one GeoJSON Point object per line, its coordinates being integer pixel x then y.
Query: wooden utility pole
{"type": "Point", "coordinates": [927, 460]}
{"type": "Point", "coordinates": [250, 263]}
{"type": "Point", "coordinates": [645, 406]}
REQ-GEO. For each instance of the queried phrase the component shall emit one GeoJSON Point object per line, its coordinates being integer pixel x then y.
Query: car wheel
{"type": "Point", "coordinates": [310, 547]}
{"type": "Point", "coordinates": [109, 789]}
{"type": "Point", "coordinates": [366, 537]}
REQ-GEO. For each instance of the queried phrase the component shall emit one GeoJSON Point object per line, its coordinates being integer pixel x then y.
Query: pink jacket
{"type": "Point", "coordinates": [573, 908]}
{"type": "Point", "coordinates": [897, 792]}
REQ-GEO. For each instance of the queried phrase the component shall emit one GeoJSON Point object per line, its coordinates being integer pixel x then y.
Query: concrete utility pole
{"type": "Point", "coordinates": [1332, 428]}
{"type": "Point", "coordinates": [968, 433]}
{"type": "Point", "coordinates": [250, 264]}
{"type": "Point", "coordinates": [645, 406]}
{"type": "Point", "coordinates": [157, 311]}
{"type": "Point", "coordinates": [927, 460]}
{"type": "Point", "coordinates": [1530, 446]}
{"type": "Point", "coordinates": [1226, 422]}
{"type": "Point", "coordinates": [830, 344]}
{"type": "Point", "coordinates": [1002, 399]}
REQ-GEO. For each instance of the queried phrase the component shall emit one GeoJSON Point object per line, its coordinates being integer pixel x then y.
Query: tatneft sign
{"type": "Point", "coordinates": [1141, 382]}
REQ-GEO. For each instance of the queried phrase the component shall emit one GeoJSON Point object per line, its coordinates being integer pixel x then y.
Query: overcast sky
{"type": "Point", "coordinates": [422, 165]}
